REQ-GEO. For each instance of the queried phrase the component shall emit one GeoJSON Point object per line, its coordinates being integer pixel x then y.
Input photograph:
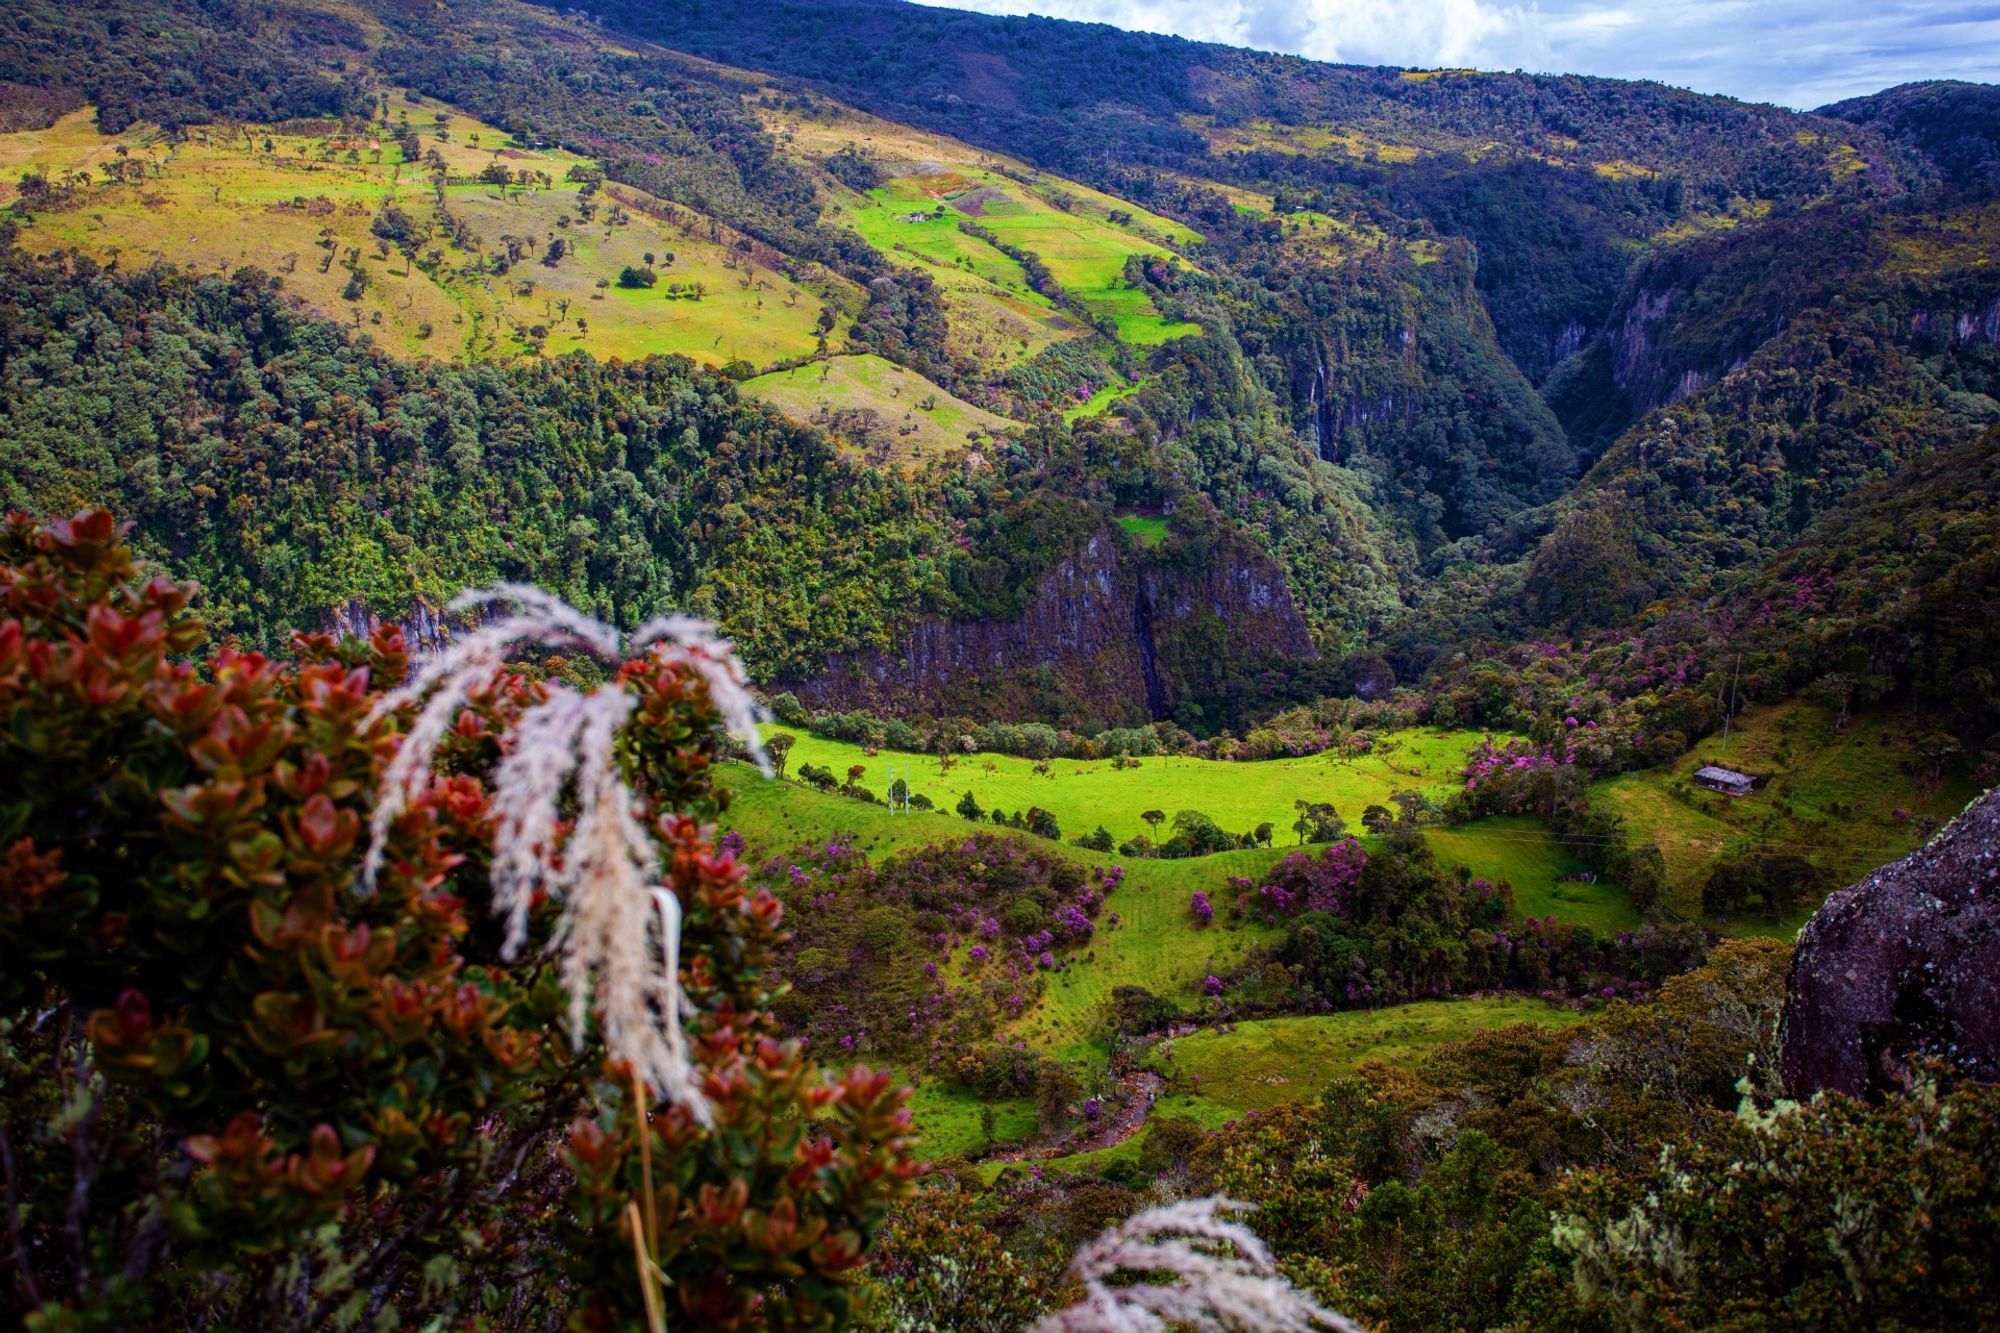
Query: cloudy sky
{"type": "Point", "coordinates": [1798, 53]}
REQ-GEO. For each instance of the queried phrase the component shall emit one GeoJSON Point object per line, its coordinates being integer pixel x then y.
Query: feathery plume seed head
{"type": "Point", "coordinates": [616, 926]}
{"type": "Point", "coordinates": [1219, 1277]}
{"type": "Point", "coordinates": [715, 661]}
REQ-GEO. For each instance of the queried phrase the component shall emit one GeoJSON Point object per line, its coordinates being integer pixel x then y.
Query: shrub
{"type": "Point", "coordinates": [227, 1059]}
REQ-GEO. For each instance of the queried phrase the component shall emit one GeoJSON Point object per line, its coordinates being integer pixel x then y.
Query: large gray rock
{"type": "Point", "coordinates": [1905, 963]}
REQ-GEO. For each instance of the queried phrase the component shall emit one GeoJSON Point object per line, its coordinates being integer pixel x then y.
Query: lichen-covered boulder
{"type": "Point", "coordinates": [1904, 963]}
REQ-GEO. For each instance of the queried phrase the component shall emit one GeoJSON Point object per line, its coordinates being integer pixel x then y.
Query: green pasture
{"type": "Point", "coordinates": [1098, 401]}
{"type": "Point", "coordinates": [219, 200]}
{"type": "Point", "coordinates": [1083, 793]}
{"type": "Point", "coordinates": [1528, 856]}
{"type": "Point", "coordinates": [1154, 944]}
{"type": "Point", "coordinates": [1264, 1063]}
{"type": "Point", "coordinates": [947, 1119]}
{"type": "Point", "coordinates": [1831, 794]}
{"type": "Point", "coordinates": [913, 418]}
{"type": "Point", "coordinates": [1230, 1071]}
{"type": "Point", "coordinates": [1085, 251]}
{"type": "Point", "coordinates": [1147, 529]}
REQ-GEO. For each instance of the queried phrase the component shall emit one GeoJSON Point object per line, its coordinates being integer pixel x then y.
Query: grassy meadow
{"type": "Point", "coordinates": [912, 419]}
{"type": "Point", "coordinates": [1832, 794]}
{"type": "Point", "coordinates": [269, 196]}
{"type": "Point", "coordinates": [1155, 943]}
{"type": "Point", "coordinates": [932, 182]}
{"type": "Point", "coordinates": [1083, 793]}
{"type": "Point", "coordinates": [1221, 1074]}
{"type": "Point", "coordinates": [1831, 791]}
{"type": "Point", "coordinates": [1523, 852]}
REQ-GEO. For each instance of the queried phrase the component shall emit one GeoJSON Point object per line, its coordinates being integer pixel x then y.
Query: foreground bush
{"type": "Point", "coordinates": [238, 1088]}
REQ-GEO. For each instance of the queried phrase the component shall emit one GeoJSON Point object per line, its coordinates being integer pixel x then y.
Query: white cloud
{"type": "Point", "coordinates": [1795, 52]}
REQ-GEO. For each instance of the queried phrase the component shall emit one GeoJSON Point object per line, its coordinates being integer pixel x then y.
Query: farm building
{"type": "Point", "coordinates": [1725, 780]}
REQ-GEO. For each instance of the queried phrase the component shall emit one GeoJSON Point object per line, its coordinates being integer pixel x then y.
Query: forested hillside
{"type": "Point", "coordinates": [1463, 355]}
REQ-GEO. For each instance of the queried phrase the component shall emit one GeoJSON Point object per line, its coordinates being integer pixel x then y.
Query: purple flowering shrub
{"type": "Point", "coordinates": [920, 956]}
{"type": "Point", "coordinates": [1304, 882]}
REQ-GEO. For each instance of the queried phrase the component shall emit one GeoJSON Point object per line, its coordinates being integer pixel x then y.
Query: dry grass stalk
{"type": "Point", "coordinates": [1219, 1277]}
{"type": "Point", "coordinates": [604, 873]}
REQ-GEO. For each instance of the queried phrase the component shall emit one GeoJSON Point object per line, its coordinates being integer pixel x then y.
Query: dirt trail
{"type": "Point", "coordinates": [1137, 1092]}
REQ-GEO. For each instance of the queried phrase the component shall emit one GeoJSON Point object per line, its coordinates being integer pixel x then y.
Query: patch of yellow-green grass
{"type": "Point", "coordinates": [992, 310]}
{"type": "Point", "coordinates": [1254, 1066]}
{"type": "Point", "coordinates": [1100, 400]}
{"type": "Point", "coordinates": [1523, 852]}
{"type": "Point", "coordinates": [711, 302]}
{"type": "Point", "coordinates": [1083, 793]}
{"type": "Point", "coordinates": [949, 1122]}
{"type": "Point", "coordinates": [1146, 529]}
{"type": "Point", "coordinates": [991, 313]}
{"type": "Point", "coordinates": [1062, 223]}
{"type": "Point", "coordinates": [1618, 169]}
{"type": "Point", "coordinates": [912, 419]}
{"type": "Point", "coordinates": [220, 199]}
{"type": "Point", "coordinates": [1155, 943]}
{"type": "Point", "coordinates": [1220, 1075]}
{"type": "Point", "coordinates": [1832, 796]}
{"type": "Point", "coordinates": [1086, 254]}
{"type": "Point", "coordinates": [776, 816]}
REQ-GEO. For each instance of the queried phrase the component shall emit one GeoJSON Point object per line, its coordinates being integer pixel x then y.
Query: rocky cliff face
{"type": "Point", "coordinates": [1905, 963]}
{"type": "Point", "coordinates": [424, 627]}
{"type": "Point", "coordinates": [1100, 636]}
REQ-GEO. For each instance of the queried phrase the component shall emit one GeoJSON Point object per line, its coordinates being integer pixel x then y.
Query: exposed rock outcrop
{"type": "Point", "coordinates": [1904, 963]}
{"type": "Point", "coordinates": [424, 627]}
{"type": "Point", "coordinates": [1111, 639]}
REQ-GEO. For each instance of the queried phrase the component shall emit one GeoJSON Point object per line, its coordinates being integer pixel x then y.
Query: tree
{"type": "Point", "coordinates": [778, 748]}
{"type": "Point", "coordinates": [969, 808]}
{"type": "Point", "coordinates": [1154, 818]}
{"type": "Point", "coordinates": [1262, 834]}
{"type": "Point", "coordinates": [637, 277]}
{"type": "Point", "coordinates": [1196, 834]}
{"type": "Point", "coordinates": [1318, 821]}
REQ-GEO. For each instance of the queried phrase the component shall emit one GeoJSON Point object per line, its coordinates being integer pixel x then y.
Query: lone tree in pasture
{"type": "Point", "coordinates": [1318, 821]}
{"type": "Point", "coordinates": [778, 747]}
{"type": "Point", "coordinates": [1154, 818]}
{"type": "Point", "coordinates": [969, 808]}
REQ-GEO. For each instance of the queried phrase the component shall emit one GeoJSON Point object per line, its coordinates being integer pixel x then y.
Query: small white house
{"type": "Point", "coordinates": [1725, 780]}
